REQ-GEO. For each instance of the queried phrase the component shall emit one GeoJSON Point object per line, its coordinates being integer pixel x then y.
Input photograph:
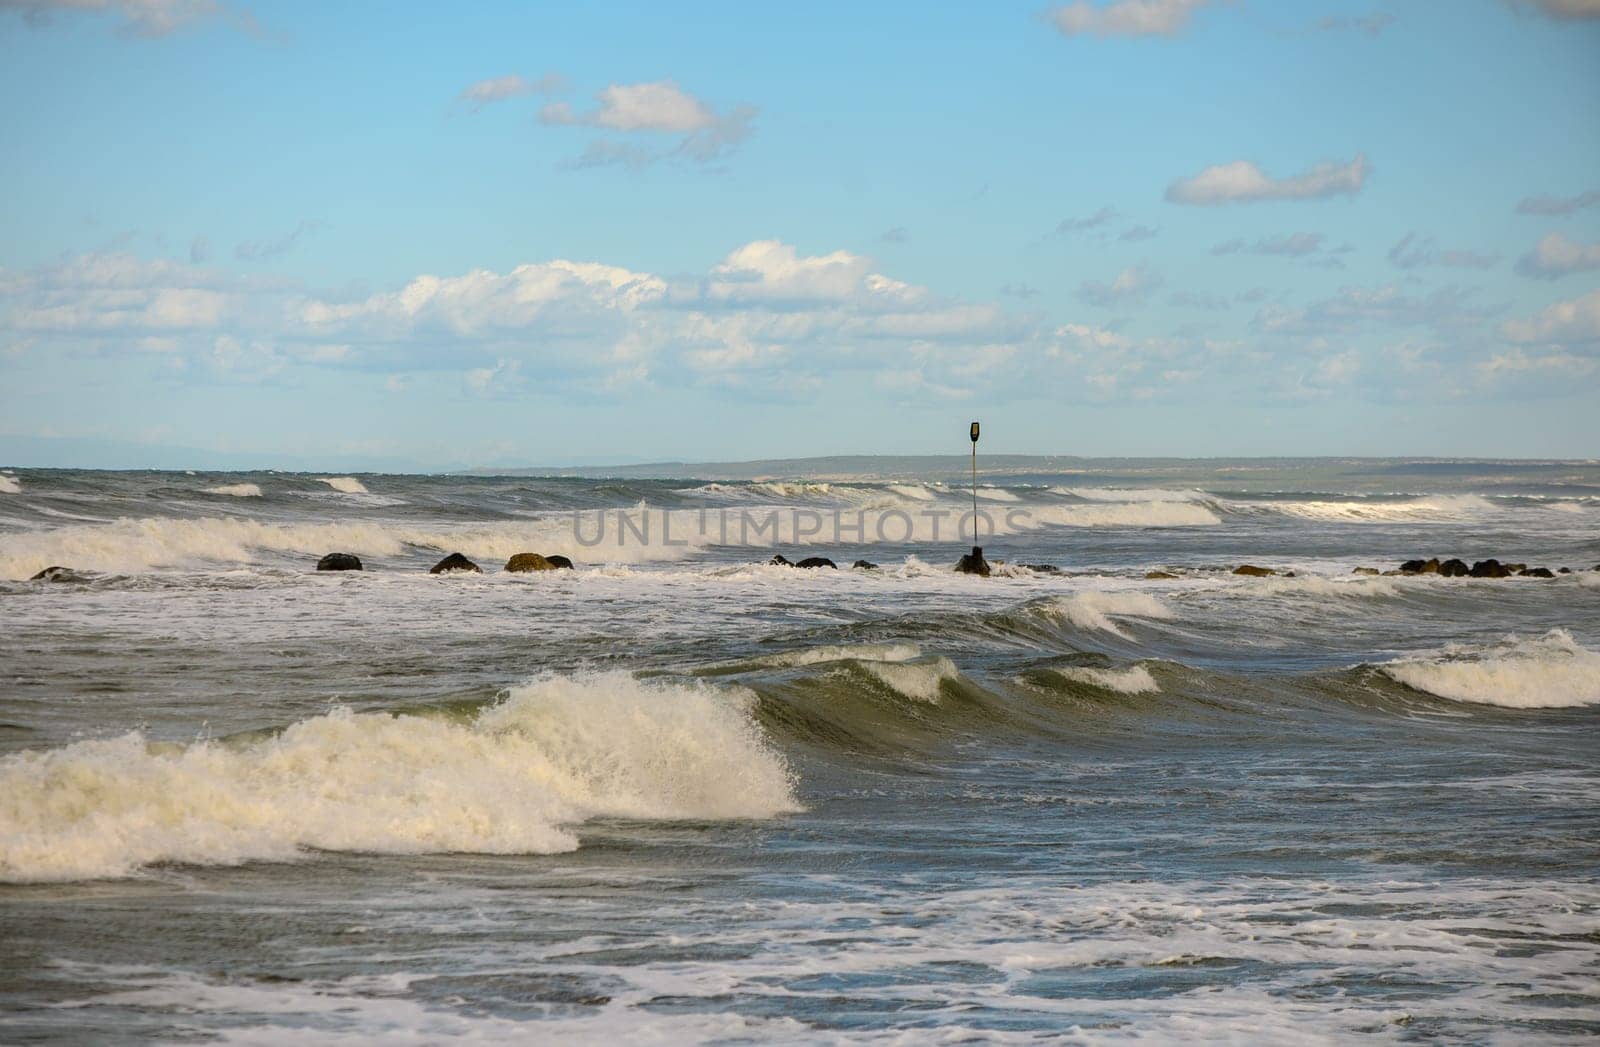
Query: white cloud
{"type": "Point", "coordinates": [1125, 17]}
{"type": "Point", "coordinates": [658, 108]}
{"type": "Point", "coordinates": [1130, 287]}
{"type": "Point", "coordinates": [1557, 256]}
{"type": "Point", "coordinates": [1413, 251]}
{"type": "Point", "coordinates": [1575, 320]}
{"type": "Point", "coordinates": [1558, 205]}
{"type": "Point", "coordinates": [1244, 182]}
{"type": "Point", "coordinates": [500, 88]}
{"type": "Point", "coordinates": [1517, 363]}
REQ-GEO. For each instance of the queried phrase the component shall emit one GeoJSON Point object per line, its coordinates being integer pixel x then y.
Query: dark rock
{"type": "Point", "coordinates": [1420, 566]}
{"type": "Point", "coordinates": [1564, 570]}
{"type": "Point", "coordinates": [1042, 568]}
{"type": "Point", "coordinates": [1253, 571]}
{"type": "Point", "coordinates": [557, 560]}
{"type": "Point", "coordinates": [1489, 569]}
{"type": "Point", "coordinates": [339, 562]}
{"type": "Point", "coordinates": [1536, 572]}
{"type": "Point", "coordinates": [1454, 569]}
{"type": "Point", "coordinates": [525, 562]}
{"type": "Point", "coordinates": [865, 565]}
{"type": "Point", "coordinates": [1159, 575]}
{"type": "Point", "coordinates": [1366, 570]}
{"type": "Point", "coordinates": [817, 561]}
{"type": "Point", "coordinates": [974, 563]}
{"type": "Point", "coordinates": [455, 562]}
{"type": "Point", "coordinates": [779, 560]}
{"type": "Point", "coordinates": [57, 574]}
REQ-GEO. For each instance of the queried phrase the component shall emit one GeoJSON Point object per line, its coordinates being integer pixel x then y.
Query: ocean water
{"type": "Point", "coordinates": [677, 794]}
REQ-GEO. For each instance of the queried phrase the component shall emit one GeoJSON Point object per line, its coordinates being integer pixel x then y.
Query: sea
{"type": "Point", "coordinates": [1111, 793]}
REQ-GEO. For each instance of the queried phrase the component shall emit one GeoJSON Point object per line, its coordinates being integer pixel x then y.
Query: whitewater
{"type": "Point", "coordinates": [1114, 792]}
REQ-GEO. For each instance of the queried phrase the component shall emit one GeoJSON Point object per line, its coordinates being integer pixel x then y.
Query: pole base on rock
{"type": "Point", "coordinates": [974, 563]}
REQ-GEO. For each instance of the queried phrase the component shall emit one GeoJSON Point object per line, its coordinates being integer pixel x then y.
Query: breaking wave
{"type": "Point", "coordinates": [9, 484]}
{"type": "Point", "coordinates": [1096, 610]}
{"type": "Point", "coordinates": [1549, 672]}
{"type": "Point", "coordinates": [1431, 508]}
{"type": "Point", "coordinates": [516, 778]}
{"type": "Point", "coordinates": [877, 652]}
{"type": "Point", "coordinates": [237, 490]}
{"type": "Point", "coordinates": [1132, 680]}
{"type": "Point", "coordinates": [1130, 494]}
{"type": "Point", "coordinates": [344, 484]}
{"type": "Point", "coordinates": [918, 680]}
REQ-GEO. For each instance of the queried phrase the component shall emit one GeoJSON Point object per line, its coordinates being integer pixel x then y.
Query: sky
{"type": "Point", "coordinates": [416, 236]}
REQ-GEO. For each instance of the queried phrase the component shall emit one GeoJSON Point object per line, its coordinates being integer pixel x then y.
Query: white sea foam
{"type": "Point", "coordinates": [1095, 610]}
{"type": "Point", "coordinates": [1547, 672]}
{"type": "Point", "coordinates": [9, 484]}
{"type": "Point", "coordinates": [996, 494]}
{"type": "Point", "coordinates": [1135, 679]}
{"type": "Point", "coordinates": [516, 779]}
{"type": "Point", "coordinates": [918, 680]}
{"type": "Point", "coordinates": [1321, 585]}
{"type": "Point", "coordinates": [237, 490]}
{"type": "Point", "coordinates": [130, 545]}
{"type": "Point", "coordinates": [1127, 514]}
{"type": "Point", "coordinates": [1431, 508]}
{"type": "Point", "coordinates": [876, 652]}
{"type": "Point", "coordinates": [1129, 494]}
{"type": "Point", "coordinates": [344, 484]}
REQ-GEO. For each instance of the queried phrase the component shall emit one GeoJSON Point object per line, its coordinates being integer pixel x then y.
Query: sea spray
{"type": "Point", "coordinates": [517, 778]}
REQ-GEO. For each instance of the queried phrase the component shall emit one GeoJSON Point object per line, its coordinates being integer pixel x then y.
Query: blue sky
{"type": "Point", "coordinates": [515, 234]}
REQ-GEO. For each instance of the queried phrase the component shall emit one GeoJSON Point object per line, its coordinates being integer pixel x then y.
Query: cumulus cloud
{"type": "Point", "coordinates": [1125, 17]}
{"type": "Point", "coordinates": [768, 318]}
{"type": "Point", "coordinates": [1558, 205]}
{"type": "Point", "coordinates": [1414, 251]}
{"type": "Point", "coordinates": [1556, 256]}
{"type": "Point", "coordinates": [658, 108]}
{"type": "Point", "coordinates": [1130, 287]}
{"type": "Point", "coordinates": [1243, 182]}
{"type": "Point", "coordinates": [1574, 321]}
{"type": "Point", "coordinates": [500, 88]}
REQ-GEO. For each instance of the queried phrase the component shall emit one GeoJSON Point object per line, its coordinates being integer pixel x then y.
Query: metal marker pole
{"type": "Point", "coordinates": [974, 434]}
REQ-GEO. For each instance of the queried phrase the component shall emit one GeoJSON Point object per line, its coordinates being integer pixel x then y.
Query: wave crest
{"type": "Point", "coordinates": [1095, 610]}
{"type": "Point", "coordinates": [237, 490]}
{"type": "Point", "coordinates": [1549, 672]}
{"type": "Point", "coordinates": [344, 484]}
{"type": "Point", "coordinates": [515, 779]}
